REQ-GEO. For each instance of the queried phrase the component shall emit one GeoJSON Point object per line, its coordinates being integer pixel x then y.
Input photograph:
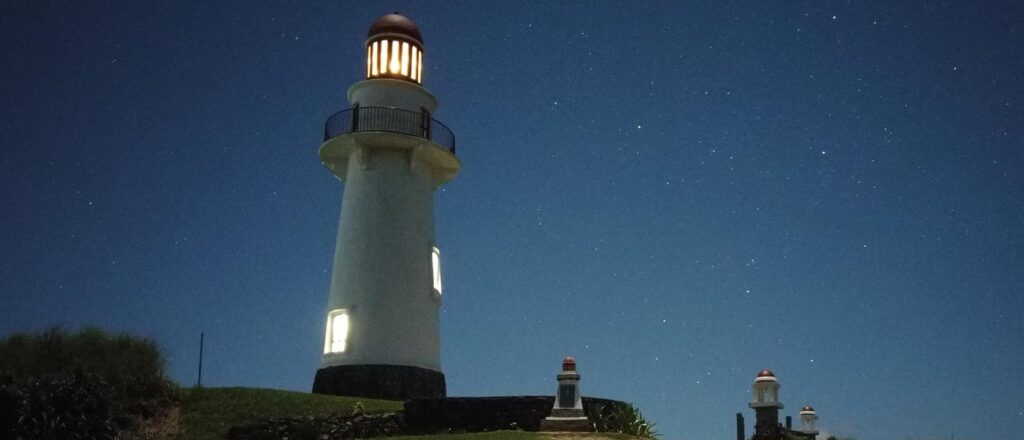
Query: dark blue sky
{"type": "Point", "coordinates": [677, 194]}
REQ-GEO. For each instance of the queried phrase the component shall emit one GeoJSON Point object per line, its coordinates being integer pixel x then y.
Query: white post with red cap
{"type": "Point", "coordinates": [567, 413]}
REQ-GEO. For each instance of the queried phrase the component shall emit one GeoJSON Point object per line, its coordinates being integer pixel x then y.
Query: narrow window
{"type": "Point", "coordinates": [413, 59]}
{"type": "Point", "coordinates": [383, 57]}
{"type": "Point", "coordinates": [374, 50]}
{"type": "Point", "coordinates": [337, 331]}
{"type": "Point", "coordinates": [369, 59]}
{"type": "Point", "coordinates": [395, 63]}
{"type": "Point", "coordinates": [419, 73]}
{"type": "Point", "coordinates": [405, 59]}
{"type": "Point", "coordinates": [435, 259]}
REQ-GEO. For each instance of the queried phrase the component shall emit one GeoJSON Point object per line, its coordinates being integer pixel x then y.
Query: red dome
{"type": "Point", "coordinates": [568, 364]}
{"type": "Point", "coordinates": [807, 408]}
{"type": "Point", "coordinates": [395, 24]}
{"type": "Point", "coordinates": [765, 373]}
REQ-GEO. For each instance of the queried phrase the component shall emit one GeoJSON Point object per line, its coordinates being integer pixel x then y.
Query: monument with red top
{"type": "Point", "coordinates": [567, 413]}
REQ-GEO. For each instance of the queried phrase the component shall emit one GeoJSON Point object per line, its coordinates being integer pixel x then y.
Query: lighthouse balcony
{"type": "Point", "coordinates": [389, 120]}
{"type": "Point", "coordinates": [430, 144]}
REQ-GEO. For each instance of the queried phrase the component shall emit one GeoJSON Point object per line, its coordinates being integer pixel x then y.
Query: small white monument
{"type": "Point", "coordinates": [567, 413]}
{"type": "Point", "coordinates": [808, 420]}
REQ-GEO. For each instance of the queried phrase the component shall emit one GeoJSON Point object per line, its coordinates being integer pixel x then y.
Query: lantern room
{"type": "Point", "coordinates": [765, 390]}
{"type": "Point", "coordinates": [394, 49]}
{"type": "Point", "coordinates": [808, 420]}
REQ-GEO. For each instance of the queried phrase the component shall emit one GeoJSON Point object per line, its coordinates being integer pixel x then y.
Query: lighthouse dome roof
{"type": "Point", "coordinates": [395, 23]}
{"type": "Point", "coordinates": [765, 376]}
{"type": "Point", "coordinates": [807, 408]}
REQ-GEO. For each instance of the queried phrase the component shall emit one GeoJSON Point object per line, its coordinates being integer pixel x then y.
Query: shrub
{"type": "Point", "coordinates": [87, 371]}
{"type": "Point", "coordinates": [62, 405]}
{"type": "Point", "coordinates": [54, 350]}
{"type": "Point", "coordinates": [624, 419]}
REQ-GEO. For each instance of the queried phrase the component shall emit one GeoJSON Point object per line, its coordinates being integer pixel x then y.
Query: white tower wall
{"type": "Point", "coordinates": [382, 275]}
{"type": "Point", "coordinates": [382, 263]}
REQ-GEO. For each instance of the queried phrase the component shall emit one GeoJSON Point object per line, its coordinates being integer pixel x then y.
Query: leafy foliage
{"type": "Point", "coordinates": [624, 419]}
{"type": "Point", "coordinates": [61, 405]}
{"type": "Point", "coordinates": [84, 382]}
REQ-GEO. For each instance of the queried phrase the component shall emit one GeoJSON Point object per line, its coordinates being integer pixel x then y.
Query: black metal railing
{"type": "Point", "coordinates": [391, 120]}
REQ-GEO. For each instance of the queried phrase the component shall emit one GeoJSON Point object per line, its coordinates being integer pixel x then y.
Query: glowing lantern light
{"type": "Point", "coordinates": [394, 49]}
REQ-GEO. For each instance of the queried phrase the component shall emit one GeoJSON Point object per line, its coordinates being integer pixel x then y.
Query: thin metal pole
{"type": "Point", "coordinates": [199, 380]}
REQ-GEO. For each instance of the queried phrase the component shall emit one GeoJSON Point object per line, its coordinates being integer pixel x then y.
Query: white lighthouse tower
{"type": "Point", "coordinates": [382, 338]}
{"type": "Point", "coordinates": [809, 420]}
{"type": "Point", "coordinates": [766, 406]}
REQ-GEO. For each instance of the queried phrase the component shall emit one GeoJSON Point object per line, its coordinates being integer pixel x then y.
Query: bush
{"type": "Point", "coordinates": [62, 405]}
{"type": "Point", "coordinates": [90, 372]}
{"type": "Point", "coordinates": [623, 419]}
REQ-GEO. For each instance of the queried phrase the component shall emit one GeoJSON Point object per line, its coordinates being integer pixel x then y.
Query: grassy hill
{"type": "Point", "coordinates": [520, 435]}
{"type": "Point", "coordinates": [92, 383]}
{"type": "Point", "coordinates": [207, 413]}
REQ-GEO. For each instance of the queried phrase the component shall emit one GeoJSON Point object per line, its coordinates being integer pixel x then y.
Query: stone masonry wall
{"type": "Point", "coordinates": [476, 414]}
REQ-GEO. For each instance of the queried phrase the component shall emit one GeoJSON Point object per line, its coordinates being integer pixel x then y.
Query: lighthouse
{"type": "Point", "coordinates": [381, 337]}
{"type": "Point", "coordinates": [809, 421]}
{"type": "Point", "coordinates": [766, 406]}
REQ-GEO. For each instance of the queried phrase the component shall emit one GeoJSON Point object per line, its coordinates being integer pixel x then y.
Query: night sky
{"type": "Point", "coordinates": [677, 194]}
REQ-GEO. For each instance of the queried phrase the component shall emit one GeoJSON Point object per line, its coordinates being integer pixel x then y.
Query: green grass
{"type": "Point", "coordinates": [207, 413]}
{"type": "Point", "coordinates": [512, 435]}
{"type": "Point", "coordinates": [497, 435]}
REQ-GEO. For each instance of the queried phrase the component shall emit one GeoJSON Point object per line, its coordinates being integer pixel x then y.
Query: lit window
{"type": "Point", "coordinates": [337, 331]}
{"type": "Point", "coordinates": [405, 59]}
{"type": "Point", "coordinates": [419, 74]}
{"type": "Point", "coordinates": [413, 60]}
{"type": "Point", "coordinates": [435, 258]}
{"type": "Point", "coordinates": [395, 63]}
{"type": "Point", "coordinates": [394, 58]}
{"type": "Point", "coordinates": [374, 63]}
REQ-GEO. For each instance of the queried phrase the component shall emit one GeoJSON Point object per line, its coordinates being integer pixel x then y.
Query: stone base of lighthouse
{"type": "Point", "coordinates": [391, 382]}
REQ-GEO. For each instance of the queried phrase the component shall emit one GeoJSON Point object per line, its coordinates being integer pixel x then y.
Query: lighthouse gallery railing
{"type": "Point", "coordinates": [392, 120]}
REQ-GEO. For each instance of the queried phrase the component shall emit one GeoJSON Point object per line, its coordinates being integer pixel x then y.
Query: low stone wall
{"type": "Point", "coordinates": [476, 414]}
{"type": "Point", "coordinates": [420, 416]}
{"type": "Point", "coordinates": [392, 382]}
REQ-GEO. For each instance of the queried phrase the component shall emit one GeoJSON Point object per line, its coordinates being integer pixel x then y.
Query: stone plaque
{"type": "Point", "coordinates": [566, 396]}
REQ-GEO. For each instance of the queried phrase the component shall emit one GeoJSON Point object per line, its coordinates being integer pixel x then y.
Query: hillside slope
{"type": "Point", "coordinates": [207, 414]}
